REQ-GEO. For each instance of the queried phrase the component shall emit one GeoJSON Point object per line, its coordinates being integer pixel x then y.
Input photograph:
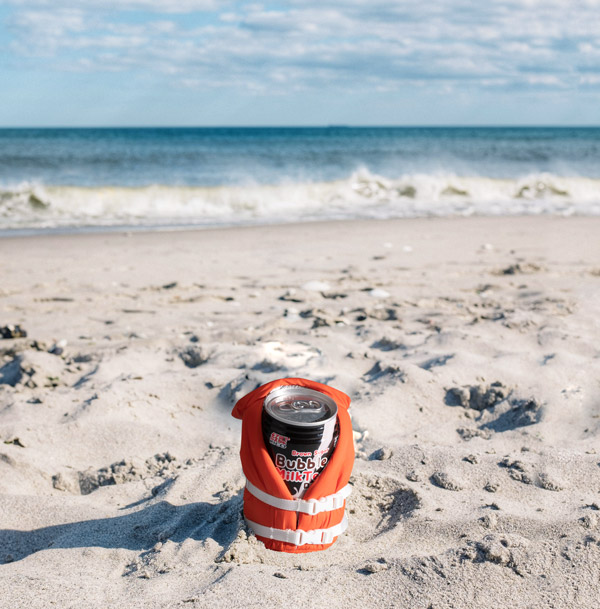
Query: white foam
{"type": "Point", "coordinates": [363, 195]}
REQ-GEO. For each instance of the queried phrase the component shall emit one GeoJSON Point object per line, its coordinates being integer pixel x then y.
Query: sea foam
{"type": "Point", "coordinates": [362, 195]}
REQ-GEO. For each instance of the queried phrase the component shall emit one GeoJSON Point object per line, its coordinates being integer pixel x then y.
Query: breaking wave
{"type": "Point", "coordinates": [363, 195]}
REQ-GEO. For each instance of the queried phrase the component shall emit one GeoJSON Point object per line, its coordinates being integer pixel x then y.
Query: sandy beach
{"type": "Point", "coordinates": [470, 348]}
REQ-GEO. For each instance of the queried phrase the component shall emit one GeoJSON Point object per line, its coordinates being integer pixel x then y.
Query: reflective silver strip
{"type": "Point", "coordinates": [300, 537]}
{"type": "Point", "coordinates": [306, 506]}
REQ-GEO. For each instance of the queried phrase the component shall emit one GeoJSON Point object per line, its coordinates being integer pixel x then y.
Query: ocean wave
{"type": "Point", "coordinates": [362, 195]}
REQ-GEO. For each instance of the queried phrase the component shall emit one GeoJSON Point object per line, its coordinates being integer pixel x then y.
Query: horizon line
{"type": "Point", "coordinates": [316, 126]}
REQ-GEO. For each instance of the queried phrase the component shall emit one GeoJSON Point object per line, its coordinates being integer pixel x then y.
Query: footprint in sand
{"type": "Point", "coordinates": [382, 502]}
{"type": "Point", "coordinates": [495, 408]}
{"type": "Point", "coordinates": [162, 466]}
{"type": "Point", "coordinates": [384, 372]}
{"type": "Point", "coordinates": [32, 369]}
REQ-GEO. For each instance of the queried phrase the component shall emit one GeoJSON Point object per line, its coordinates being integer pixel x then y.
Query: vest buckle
{"type": "Point", "coordinates": [314, 537]}
{"type": "Point", "coordinates": [327, 536]}
{"type": "Point", "coordinates": [337, 502]}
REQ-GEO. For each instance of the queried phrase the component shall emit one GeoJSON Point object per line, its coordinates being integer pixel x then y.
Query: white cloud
{"type": "Point", "coordinates": [590, 79]}
{"type": "Point", "coordinates": [158, 6]}
{"type": "Point", "coordinates": [545, 79]}
{"type": "Point", "coordinates": [382, 44]}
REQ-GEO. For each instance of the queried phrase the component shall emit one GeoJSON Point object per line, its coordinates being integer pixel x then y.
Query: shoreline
{"type": "Point", "coordinates": [16, 233]}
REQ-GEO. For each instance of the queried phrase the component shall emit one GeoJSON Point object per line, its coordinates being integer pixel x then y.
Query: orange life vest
{"type": "Point", "coordinates": [282, 523]}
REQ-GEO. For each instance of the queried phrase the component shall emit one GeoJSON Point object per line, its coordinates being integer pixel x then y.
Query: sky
{"type": "Point", "coordinates": [304, 62]}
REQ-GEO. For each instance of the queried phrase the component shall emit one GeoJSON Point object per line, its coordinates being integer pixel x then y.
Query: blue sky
{"type": "Point", "coordinates": [355, 62]}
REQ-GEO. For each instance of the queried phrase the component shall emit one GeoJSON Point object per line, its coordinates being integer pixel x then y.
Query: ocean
{"type": "Point", "coordinates": [98, 179]}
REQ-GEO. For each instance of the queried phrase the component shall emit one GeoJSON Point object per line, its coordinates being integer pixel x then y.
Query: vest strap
{"type": "Point", "coordinates": [300, 537]}
{"type": "Point", "coordinates": [306, 506]}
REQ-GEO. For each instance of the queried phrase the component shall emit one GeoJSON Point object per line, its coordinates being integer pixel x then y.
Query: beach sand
{"type": "Point", "coordinates": [470, 348]}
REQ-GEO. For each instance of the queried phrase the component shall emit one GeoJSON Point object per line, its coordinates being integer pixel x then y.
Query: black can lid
{"type": "Point", "coordinates": [300, 406]}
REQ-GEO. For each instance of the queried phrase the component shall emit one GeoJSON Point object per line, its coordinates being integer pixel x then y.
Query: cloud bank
{"type": "Point", "coordinates": [377, 45]}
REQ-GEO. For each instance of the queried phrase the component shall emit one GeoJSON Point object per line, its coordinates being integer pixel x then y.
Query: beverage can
{"type": "Point", "coordinates": [300, 432]}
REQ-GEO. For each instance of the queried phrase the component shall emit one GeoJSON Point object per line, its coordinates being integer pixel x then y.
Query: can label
{"type": "Point", "coordinates": [300, 468]}
{"type": "Point", "coordinates": [300, 431]}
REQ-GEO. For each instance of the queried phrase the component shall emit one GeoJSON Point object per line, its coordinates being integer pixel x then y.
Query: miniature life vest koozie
{"type": "Point", "coordinates": [282, 523]}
